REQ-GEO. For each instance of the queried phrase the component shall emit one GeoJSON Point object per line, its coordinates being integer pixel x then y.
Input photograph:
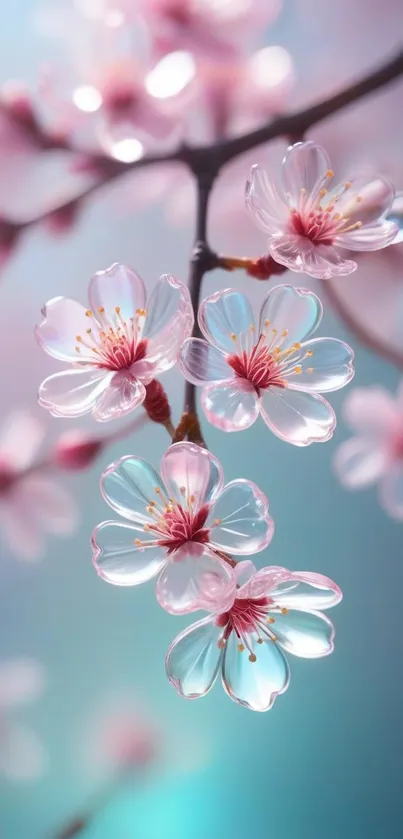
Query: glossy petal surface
{"type": "Point", "coordinates": [305, 634]}
{"type": "Point", "coordinates": [117, 286]}
{"type": "Point", "coordinates": [189, 470]}
{"type": "Point", "coordinates": [304, 166]}
{"type": "Point", "coordinates": [202, 363]}
{"type": "Point", "coordinates": [264, 202]}
{"type": "Point", "coordinates": [254, 684]}
{"type": "Point", "coordinates": [128, 486]}
{"type": "Point", "coordinates": [64, 319]}
{"type": "Point", "coordinates": [325, 261]}
{"type": "Point", "coordinates": [118, 560]}
{"type": "Point", "coordinates": [297, 417]}
{"type": "Point", "coordinates": [370, 237]}
{"type": "Point", "coordinates": [225, 318]}
{"type": "Point", "coordinates": [371, 411]}
{"type": "Point", "coordinates": [193, 659]}
{"type": "Point", "coordinates": [123, 394]}
{"type": "Point", "coordinates": [329, 368]}
{"type": "Point", "coordinates": [74, 392]}
{"type": "Point", "coordinates": [193, 579]}
{"type": "Point", "coordinates": [230, 405]}
{"type": "Point", "coordinates": [306, 590]}
{"type": "Point", "coordinates": [168, 299]}
{"type": "Point", "coordinates": [245, 526]}
{"type": "Point", "coordinates": [375, 197]}
{"type": "Point", "coordinates": [297, 310]}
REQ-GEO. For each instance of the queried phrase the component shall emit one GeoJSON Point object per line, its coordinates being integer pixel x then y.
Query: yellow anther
{"type": "Point", "coordinates": [192, 499]}
{"type": "Point", "coordinates": [146, 527]}
{"type": "Point", "coordinates": [309, 353]}
{"type": "Point", "coordinates": [284, 611]}
{"type": "Point", "coordinates": [79, 338]}
{"type": "Point", "coordinates": [89, 313]}
{"type": "Point", "coordinates": [273, 638]}
{"type": "Point", "coordinates": [233, 336]}
{"type": "Point", "coordinates": [274, 330]}
{"type": "Point", "coordinates": [149, 509]}
{"type": "Point", "coordinates": [358, 199]}
{"type": "Point", "coordinates": [347, 185]}
{"type": "Point", "coordinates": [88, 331]}
{"type": "Point", "coordinates": [157, 490]}
{"type": "Point", "coordinates": [221, 644]}
{"type": "Point", "coordinates": [337, 216]}
{"type": "Point", "coordinates": [309, 370]}
{"type": "Point", "coordinates": [137, 542]}
{"type": "Point", "coordinates": [271, 620]}
{"type": "Point", "coordinates": [322, 193]}
{"type": "Point", "coordinates": [330, 173]}
{"type": "Point", "coordinates": [101, 310]}
{"type": "Point", "coordinates": [297, 345]}
{"type": "Point", "coordinates": [298, 369]}
{"type": "Point", "coordinates": [252, 658]}
{"type": "Point", "coordinates": [267, 323]}
{"type": "Point", "coordinates": [241, 648]}
{"type": "Point", "coordinates": [252, 328]}
{"type": "Point", "coordinates": [260, 640]}
{"type": "Point", "coordinates": [284, 333]}
{"type": "Point", "coordinates": [152, 503]}
{"type": "Point", "coordinates": [216, 522]}
{"type": "Point", "coordinates": [117, 310]}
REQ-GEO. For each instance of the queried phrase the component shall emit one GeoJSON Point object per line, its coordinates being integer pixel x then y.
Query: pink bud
{"type": "Point", "coordinates": [16, 98]}
{"type": "Point", "coordinates": [75, 450]}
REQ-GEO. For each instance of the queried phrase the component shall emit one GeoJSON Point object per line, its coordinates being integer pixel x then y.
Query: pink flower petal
{"type": "Point", "coordinates": [21, 680]}
{"type": "Point", "coordinates": [191, 471]}
{"type": "Point", "coordinates": [52, 506]}
{"type": "Point", "coordinates": [366, 200]}
{"type": "Point", "coordinates": [194, 578]}
{"type": "Point", "coordinates": [225, 317]}
{"type": "Point", "coordinates": [360, 461]}
{"type": "Point", "coordinates": [230, 405]}
{"type": "Point", "coordinates": [391, 492]}
{"type": "Point", "coordinates": [239, 520]}
{"type": "Point", "coordinates": [370, 237]}
{"type": "Point", "coordinates": [306, 590]}
{"type": "Point", "coordinates": [371, 411]}
{"type": "Point", "coordinates": [73, 393]}
{"type": "Point", "coordinates": [20, 439]}
{"type": "Point", "coordinates": [64, 319]}
{"type": "Point", "coordinates": [306, 634]}
{"type": "Point", "coordinates": [117, 558]}
{"type": "Point", "coordinates": [254, 684]}
{"type": "Point", "coordinates": [264, 581]}
{"type": "Point", "coordinates": [297, 311]}
{"type": "Point", "coordinates": [329, 368]}
{"type": "Point", "coordinates": [297, 417]}
{"type": "Point", "coordinates": [288, 249]}
{"type": "Point", "coordinates": [129, 485]}
{"type": "Point", "coordinates": [168, 301]}
{"type": "Point", "coordinates": [305, 166]}
{"type": "Point", "coordinates": [123, 394]}
{"type": "Point", "coordinates": [20, 528]}
{"type": "Point", "coordinates": [194, 658]}
{"type": "Point", "coordinates": [264, 203]}
{"type": "Point", "coordinates": [324, 261]}
{"type": "Point", "coordinates": [117, 286]}
{"type": "Point", "coordinates": [202, 363]}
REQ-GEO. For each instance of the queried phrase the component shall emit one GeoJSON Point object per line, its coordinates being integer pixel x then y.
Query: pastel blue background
{"type": "Point", "coordinates": [327, 762]}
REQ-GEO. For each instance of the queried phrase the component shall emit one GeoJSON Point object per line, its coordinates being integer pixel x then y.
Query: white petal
{"type": "Point", "coordinates": [73, 393]}
{"type": "Point", "coordinates": [230, 405]}
{"type": "Point", "coordinates": [330, 366]}
{"type": "Point", "coordinates": [226, 320]}
{"type": "Point", "coordinates": [307, 634]}
{"type": "Point", "coordinates": [119, 560]}
{"type": "Point", "coordinates": [202, 363]}
{"type": "Point", "coordinates": [191, 471]}
{"type": "Point", "coordinates": [263, 201]}
{"type": "Point", "coordinates": [295, 310]}
{"type": "Point", "coordinates": [123, 394]}
{"type": "Point", "coordinates": [117, 286]}
{"type": "Point", "coordinates": [194, 578]}
{"type": "Point", "coordinates": [297, 417]}
{"type": "Point", "coordinates": [194, 658]}
{"type": "Point", "coordinates": [305, 166]}
{"type": "Point", "coordinates": [129, 485]}
{"type": "Point", "coordinates": [254, 684]}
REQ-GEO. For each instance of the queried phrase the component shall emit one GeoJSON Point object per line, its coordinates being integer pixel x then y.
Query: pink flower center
{"type": "Point", "coordinates": [270, 361]}
{"type": "Point", "coordinates": [176, 11]}
{"type": "Point", "coordinates": [320, 224]}
{"type": "Point", "coordinates": [174, 524]}
{"type": "Point", "coordinates": [116, 344]}
{"type": "Point", "coordinates": [7, 476]}
{"type": "Point", "coordinates": [258, 367]}
{"type": "Point", "coordinates": [248, 616]}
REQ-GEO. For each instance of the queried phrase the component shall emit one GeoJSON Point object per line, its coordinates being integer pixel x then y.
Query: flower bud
{"type": "Point", "coordinates": [156, 402]}
{"type": "Point", "coordinates": [75, 450]}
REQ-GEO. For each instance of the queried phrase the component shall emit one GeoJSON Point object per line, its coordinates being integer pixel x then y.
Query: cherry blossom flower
{"type": "Point", "coordinates": [32, 504]}
{"type": "Point", "coordinates": [181, 526]}
{"type": "Point", "coordinates": [278, 372]}
{"type": "Point", "coordinates": [21, 754]}
{"type": "Point", "coordinates": [304, 225]}
{"type": "Point", "coordinates": [273, 610]}
{"type": "Point", "coordinates": [204, 27]}
{"type": "Point", "coordinates": [116, 347]}
{"type": "Point", "coordinates": [375, 453]}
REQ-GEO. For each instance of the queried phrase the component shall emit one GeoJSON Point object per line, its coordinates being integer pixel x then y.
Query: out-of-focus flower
{"type": "Point", "coordinates": [276, 371]}
{"type": "Point", "coordinates": [76, 449]}
{"type": "Point", "coordinates": [119, 738]}
{"type": "Point", "coordinates": [32, 504]}
{"type": "Point", "coordinates": [21, 754]}
{"type": "Point", "coordinates": [116, 347]}
{"type": "Point", "coordinates": [181, 526]}
{"type": "Point", "coordinates": [375, 453]}
{"type": "Point", "coordinates": [307, 223]}
{"type": "Point", "coordinates": [273, 610]}
{"type": "Point", "coordinates": [204, 27]}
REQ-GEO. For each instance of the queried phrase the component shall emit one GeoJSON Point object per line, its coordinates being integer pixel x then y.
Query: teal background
{"type": "Point", "coordinates": [326, 762]}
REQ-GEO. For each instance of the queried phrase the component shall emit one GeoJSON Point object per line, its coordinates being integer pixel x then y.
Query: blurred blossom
{"type": "Point", "coordinates": [374, 455]}
{"type": "Point", "coordinates": [32, 504]}
{"type": "Point", "coordinates": [21, 754]}
{"type": "Point", "coordinates": [116, 347]}
{"type": "Point", "coordinates": [274, 369]}
{"type": "Point", "coordinates": [75, 449]}
{"type": "Point", "coordinates": [305, 234]}
{"type": "Point", "coordinates": [181, 525]}
{"type": "Point", "coordinates": [272, 610]}
{"type": "Point", "coordinates": [216, 28]}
